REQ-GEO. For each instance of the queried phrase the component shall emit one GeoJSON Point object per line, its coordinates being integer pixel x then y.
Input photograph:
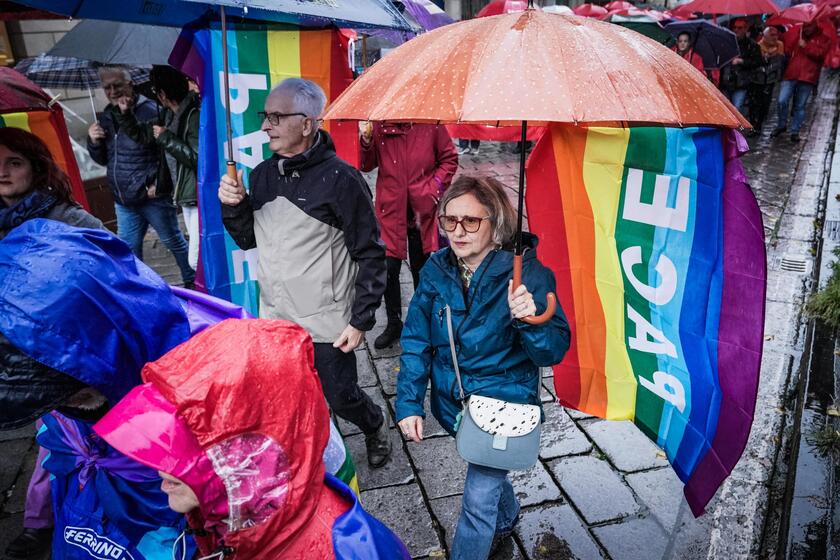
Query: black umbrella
{"type": "Point", "coordinates": [112, 42]}
{"type": "Point", "coordinates": [715, 45]}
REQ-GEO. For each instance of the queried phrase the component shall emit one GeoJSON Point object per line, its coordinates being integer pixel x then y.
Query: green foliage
{"type": "Point", "coordinates": [825, 304]}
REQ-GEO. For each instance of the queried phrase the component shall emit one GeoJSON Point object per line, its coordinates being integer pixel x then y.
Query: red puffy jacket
{"type": "Point", "coordinates": [416, 163]}
{"type": "Point", "coordinates": [805, 63]}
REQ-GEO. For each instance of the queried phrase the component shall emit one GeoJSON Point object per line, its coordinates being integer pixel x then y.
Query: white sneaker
{"type": "Point", "coordinates": [463, 151]}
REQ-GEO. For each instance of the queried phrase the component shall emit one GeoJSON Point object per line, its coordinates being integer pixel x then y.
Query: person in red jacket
{"type": "Point", "coordinates": [685, 49]}
{"type": "Point", "coordinates": [416, 164]}
{"type": "Point", "coordinates": [241, 454]}
{"type": "Point", "coordinates": [806, 46]}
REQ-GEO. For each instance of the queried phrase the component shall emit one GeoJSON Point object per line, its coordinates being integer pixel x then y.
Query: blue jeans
{"type": "Point", "coordinates": [133, 221]}
{"type": "Point", "coordinates": [800, 92]}
{"type": "Point", "coordinates": [489, 506]}
{"type": "Point", "coordinates": [737, 97]}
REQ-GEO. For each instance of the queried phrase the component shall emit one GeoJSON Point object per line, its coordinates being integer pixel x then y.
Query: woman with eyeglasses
{"type": "Point", "coordinates": [499, 355]}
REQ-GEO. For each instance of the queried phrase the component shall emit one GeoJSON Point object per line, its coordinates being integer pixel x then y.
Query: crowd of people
{"type": "Point", "coordinates": [149, 397]}
{"type": "Point", "coordinates": [791, 58]}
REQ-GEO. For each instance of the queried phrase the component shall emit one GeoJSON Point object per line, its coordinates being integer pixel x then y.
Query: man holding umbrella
{"type": "Point", "coordinates": [322, 264]}
{"type": "Point", "coordinates": [736, 76]}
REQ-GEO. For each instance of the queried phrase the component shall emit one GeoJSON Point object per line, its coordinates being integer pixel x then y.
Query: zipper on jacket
{"type": "Point", "coordinates": [116, 160]}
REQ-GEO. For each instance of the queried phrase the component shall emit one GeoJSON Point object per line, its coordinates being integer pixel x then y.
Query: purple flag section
{"type": "Point", "coordinates": [741, 327]}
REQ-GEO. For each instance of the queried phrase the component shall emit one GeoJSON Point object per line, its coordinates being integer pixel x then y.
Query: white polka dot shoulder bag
{"type": "Point", "coordinates": [492, 432]}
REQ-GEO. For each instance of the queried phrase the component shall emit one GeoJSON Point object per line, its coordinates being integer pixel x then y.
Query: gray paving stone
{"type": "Point", "coordinates": [550, 532]}
{"type": "Point", "coordinates": [17, 494]}
{"type": "Point", "coordinates": [634, 539]}
{"type": "Point", "coordinates": [595, 489]}
{"type": "Point", "coordinates": [11, 461]}
{"type": "Point", "coordinates": [396, 471]}
{"type": "Point", "coordinates": [440, 468]}
{"type": "Point", "coordinates": [387, 370]}
{"type": "Point", "coordinates": [625, 445]}
{"type": "Point", "coordinates": [801, 228]}
{"type": "Point", "coordinates": [20, 433]}
{"type": "Point", "coordinates": [401, 508]}
{"type": "Point", "coordinates": [577, 414]}
{"type": "Point", "coordinates": [534, 486]}
{"type": "Point", "coordinates": [348, 429]}
{"type": "Point", "coordinates": [446, 512]}
{"type": "Point", "coordinates": [560, 435]}
{"type": "Point", "coordinates": [364, 368]}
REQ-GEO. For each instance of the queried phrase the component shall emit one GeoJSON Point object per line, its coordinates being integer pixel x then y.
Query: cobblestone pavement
{"type": "Point", "coordinates": [600, 489]}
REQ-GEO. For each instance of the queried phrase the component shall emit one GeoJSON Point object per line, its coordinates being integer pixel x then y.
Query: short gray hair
{"type": "Point", "coordinates": [308, 97]}
{"type": "Point", "coordinates": [491, 194]}
{"type": "Point", "coordinates": [105, 70]}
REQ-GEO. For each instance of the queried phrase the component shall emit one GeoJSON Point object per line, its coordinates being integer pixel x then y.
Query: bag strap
{"type": "Point", "coordinates": [454, 354]}
{"type": "Point", "coordinates": [458, 370]}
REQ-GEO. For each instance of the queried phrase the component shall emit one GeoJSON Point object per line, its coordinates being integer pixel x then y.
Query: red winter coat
{"type": "Point", "coordinates": [416, 164]}
{"type": "Point", "coordinates": [805, 63]}
{"type": "Point", "coordinates": [695, 59]}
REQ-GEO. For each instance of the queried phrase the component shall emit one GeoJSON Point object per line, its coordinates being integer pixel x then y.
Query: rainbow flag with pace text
{"type": "Point", "coordinates": [657, 244]}
{"type": "Point", "coordinates": [259, 57]}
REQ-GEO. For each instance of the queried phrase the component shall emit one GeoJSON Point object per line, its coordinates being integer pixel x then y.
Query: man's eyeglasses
{"type": "Point", "coordinates": [471, 224]}
{"type": "Point", "coordinates": [274, 118]}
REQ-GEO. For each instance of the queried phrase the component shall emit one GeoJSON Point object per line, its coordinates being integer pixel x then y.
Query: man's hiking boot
{"type": "Point", "coordinates": [378, 445]}
{"type": "Point", "coordinates": [390, 335]}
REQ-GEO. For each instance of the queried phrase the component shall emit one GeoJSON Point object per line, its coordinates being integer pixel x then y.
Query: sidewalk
{"type": "Point", "coordinates": [600, 489]}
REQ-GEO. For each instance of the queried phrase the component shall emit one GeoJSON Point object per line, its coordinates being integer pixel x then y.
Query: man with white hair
{"type": "Point", "coordinates": [141, 186]}
{"type": "Point", "coordinates": [321, 262]}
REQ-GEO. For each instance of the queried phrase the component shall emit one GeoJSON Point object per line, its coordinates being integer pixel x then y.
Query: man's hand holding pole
{"type": "Point", "coordinates": [231, 191]}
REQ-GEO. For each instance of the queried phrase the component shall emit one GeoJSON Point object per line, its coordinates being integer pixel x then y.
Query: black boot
{"type": "Point", "coordinates": [390, 335]}
{"type": "Point", "coordinates": [378, 445]}
{"type": "Point", "coordinates": [30, 543]}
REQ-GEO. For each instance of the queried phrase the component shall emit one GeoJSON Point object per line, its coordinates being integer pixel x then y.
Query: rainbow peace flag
{"type": "Point", "coordinates": [259, 57]}
{"type": "Point", "coordinates": [50, 127]}
{"type": "Point", "coordinates": [657, 244]}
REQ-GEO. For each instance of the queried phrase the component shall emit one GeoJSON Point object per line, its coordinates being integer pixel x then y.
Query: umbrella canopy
{"type": "Point", "coordinates": [743, 7]}
{"type": "Point", "coordinates": [542, 68]}
{"type": "Point", "coordinates": [67, 72]}
{"type": "Point", "coordinates": [117, 43]}
{"type": "Point", "coordinates": [801, 13]}
{"type": "Point", "coordinates": [716, 45]}
{"type": "Point", "coordinates": [682, 12]}
{"type": "Point", "coordinates": [178, 13]}
{"type": "Point", "coordinates": [502, 7]}
{"type": "Point", "coordinates": [590, 10]}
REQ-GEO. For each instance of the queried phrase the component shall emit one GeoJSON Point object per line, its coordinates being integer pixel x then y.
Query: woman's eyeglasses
{"type": "Point", "coordinates": [274, 118]}
{"type": "Point", "coordinates": [471, 224]}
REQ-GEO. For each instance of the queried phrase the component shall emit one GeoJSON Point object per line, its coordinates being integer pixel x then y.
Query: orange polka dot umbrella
{"type": "Point", "coordinates": [534, 68]}
{"type": "Point", "coordinates": [538, 67]}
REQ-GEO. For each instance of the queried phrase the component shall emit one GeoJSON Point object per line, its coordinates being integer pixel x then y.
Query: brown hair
{"type": "Point", "coordinates": [491, 194]}
{"type": "Point", "coordinates": [46, 174]}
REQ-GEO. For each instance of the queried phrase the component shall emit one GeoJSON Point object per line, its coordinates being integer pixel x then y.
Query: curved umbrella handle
{"type": "Point", "coordinates": [551, 299]}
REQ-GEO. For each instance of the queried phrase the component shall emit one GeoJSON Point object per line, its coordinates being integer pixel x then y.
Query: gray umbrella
{"type": "Point", "coordinates": [113, 42]}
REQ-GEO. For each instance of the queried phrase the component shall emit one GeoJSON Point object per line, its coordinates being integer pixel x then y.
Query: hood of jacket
{"type": "Point", "coordinates": [244, 428]}
{"type": "Point", "coordinates": [78, 301]}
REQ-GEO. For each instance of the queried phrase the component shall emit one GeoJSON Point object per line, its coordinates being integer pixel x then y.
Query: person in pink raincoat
{"type": "Point", "coordinates": [416, 164]}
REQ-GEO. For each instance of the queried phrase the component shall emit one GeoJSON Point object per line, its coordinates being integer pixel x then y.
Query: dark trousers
{"type": "Point", "coordinates": [760, 96]}
{"type": "Point", "coordinates": [340, 382]}
{"type": "Point", "coordinates": [416, 259]}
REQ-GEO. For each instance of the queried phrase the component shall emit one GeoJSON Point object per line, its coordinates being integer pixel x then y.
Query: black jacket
{"type": "Point", "coordinates": [739, 76]}
{"type": "Point", "coordinates": [132, 166]}
{"type": "Point", "coordinates": [322, 264]}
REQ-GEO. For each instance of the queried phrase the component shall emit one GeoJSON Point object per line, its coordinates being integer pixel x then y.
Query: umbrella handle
{"type": "Point", "coordinates": [231, 170]}
{"type": "Point", "coordinates": [551, 299]}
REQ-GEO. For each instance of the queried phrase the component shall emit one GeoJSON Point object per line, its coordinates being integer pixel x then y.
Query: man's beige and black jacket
{"type": "Point", "coordinates": [322, 264]}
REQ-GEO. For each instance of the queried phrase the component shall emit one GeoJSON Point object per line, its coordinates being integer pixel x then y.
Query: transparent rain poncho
{"type": "Point", "coordinates": [255, 471]}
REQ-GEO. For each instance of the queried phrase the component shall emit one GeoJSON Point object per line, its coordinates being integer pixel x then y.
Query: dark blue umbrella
{"type": "Point", "coordinates": [715, 45]}
{"type": "Point", "coordinates": [178, 13]}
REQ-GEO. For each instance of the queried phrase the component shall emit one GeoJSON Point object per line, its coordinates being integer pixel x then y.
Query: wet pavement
{"type": "Point", "coordinates": [600, 489]}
